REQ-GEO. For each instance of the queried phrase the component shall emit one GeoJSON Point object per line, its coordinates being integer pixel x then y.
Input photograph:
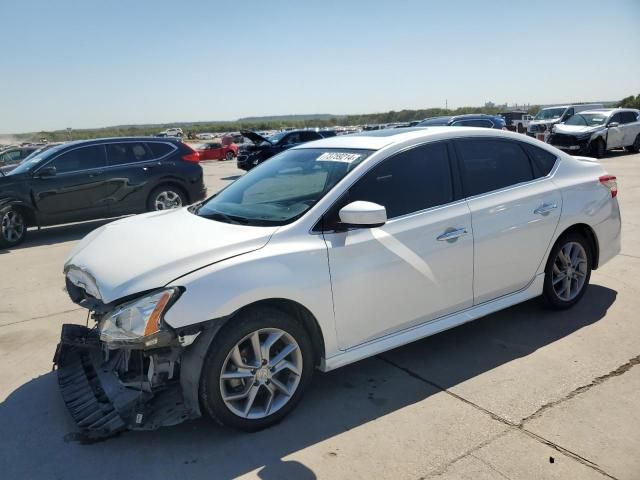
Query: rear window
{"type": "Point", "coordinates": [132, 152]}
{"type": "Point", "coordinates": [160, 149]}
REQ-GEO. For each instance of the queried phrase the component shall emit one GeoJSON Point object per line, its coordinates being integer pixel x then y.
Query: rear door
{"type": "Point", "coordinates": [77, 191]}
{"type": "Point", "coordinates": [416, 267]}
{"type": "Point", "coordinates": [630, 127]}
{"type": "Point", "coordinates": [515, 208]}
{"type": "Point", "coordinates": [133, 168]}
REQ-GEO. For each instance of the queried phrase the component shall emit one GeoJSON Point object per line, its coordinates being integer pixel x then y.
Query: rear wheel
{"type": "Point", "coordinates": [13, 227]}
{"type": "Point", "coordinates": [166, 197]}
{"type": "Point", "coordinates": [567, 272]}
{"type": "Point", "coordinates": [229, 156]}
{"type": "Point", "coordinates": [635, 148]}
{"type": "Point", "coordinates": [256, 370]}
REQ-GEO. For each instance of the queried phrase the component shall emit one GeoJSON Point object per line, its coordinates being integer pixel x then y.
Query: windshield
{"type": "Point", "coordinates": [34, 159]}
{"type": "Point", "coordinates": [277, 137]}
{"type": "Point", "coordinates": [283, 188]}
{"type": "Point", "coordinates": [549, 113]}
{"type": "Point", "coordinates": [587, 119]}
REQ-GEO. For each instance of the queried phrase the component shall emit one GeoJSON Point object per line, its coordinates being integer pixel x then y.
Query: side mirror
{"type": "Point", "coordinates": [363, 215]}
{"type": "Point", "coordinates": [613, 125]}
{"type": "Point", "coordinates": [47, 172]}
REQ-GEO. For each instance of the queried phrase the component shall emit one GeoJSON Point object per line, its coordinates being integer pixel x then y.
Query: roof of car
{"type": "Point", "coordinates": [378, 139]}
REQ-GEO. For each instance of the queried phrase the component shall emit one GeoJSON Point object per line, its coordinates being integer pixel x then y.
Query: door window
{"type": "Point", "coordinates": [408, 182]}
{"type": "Point", "coordinates": [121, 153]}
{"type": "Point", "coordinates": [628, 117]}
{"type": "Point", "coordinates": [491, 164]}
{"type": "Point", "coordinates": [83, 158]}
{"type": "Point", "coordinates": [616, 117]}
{"type": "Point", "coordinates": [310, 136]}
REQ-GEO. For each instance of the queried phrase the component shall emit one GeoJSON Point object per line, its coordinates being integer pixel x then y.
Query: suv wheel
{"type": "Point", "coordinates": [635, 148]}
{"type": "Point", "coordinates": [256, 369]}
{"type": "Point", "coordinates": [567, 272]}
{"type": "Point", "coordinates": [13, 227]}
{"type": "Point", "coordinates": [598, 149]}
{"type": "Point", "coordinates": [166, 197]}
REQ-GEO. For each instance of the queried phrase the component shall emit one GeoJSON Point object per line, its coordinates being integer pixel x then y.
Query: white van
{"type": "Point", "coordinates": [540, 126]}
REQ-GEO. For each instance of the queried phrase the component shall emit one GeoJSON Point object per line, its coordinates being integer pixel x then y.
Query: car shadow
{"type": "Point", "coordinates": [38, 438]}
{"type": "Point", "coordinates": [58, 234]}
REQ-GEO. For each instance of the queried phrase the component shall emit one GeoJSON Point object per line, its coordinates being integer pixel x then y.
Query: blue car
{"type": "Point", "coordinates": [470, 120]}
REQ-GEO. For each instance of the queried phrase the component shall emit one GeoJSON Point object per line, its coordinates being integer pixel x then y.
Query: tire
{"type": "Point", "coordinates": [166, 197]}
{"type": "Point", "coordinates": [13, 227]}
{"type": "Point", "coordinates": [598, 149]}
{"type": "Point", "coordinates": [229, 156]}
{"type": "Point", "coordinates": [269, 404]}
{"type": "Point", "coordinates": [635, 148]}
{"type": "Point", "coordinates": [554, 292]}
{"type": "Point", "coordinates": [521, 129]}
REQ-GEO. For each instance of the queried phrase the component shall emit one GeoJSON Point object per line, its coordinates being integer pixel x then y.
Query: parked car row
{"type": "Point", "coordinates": [97, 179]}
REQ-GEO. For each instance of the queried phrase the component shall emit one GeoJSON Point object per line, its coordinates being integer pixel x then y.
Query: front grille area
{"type": "Point", "coordinates": [562, 140]}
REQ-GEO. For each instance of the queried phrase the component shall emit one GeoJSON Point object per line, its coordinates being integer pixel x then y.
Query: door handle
{"type": "Point", "coordinates": [545, 209]}
{"type": "Point", "coordinates": [451, 235]}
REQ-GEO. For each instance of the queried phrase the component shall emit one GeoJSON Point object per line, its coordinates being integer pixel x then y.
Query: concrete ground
{"type": "Point", "coordinates": [525, 393]}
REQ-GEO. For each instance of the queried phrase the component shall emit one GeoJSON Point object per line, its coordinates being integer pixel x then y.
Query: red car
{"type": "Point", "coordinates": [225, 150]}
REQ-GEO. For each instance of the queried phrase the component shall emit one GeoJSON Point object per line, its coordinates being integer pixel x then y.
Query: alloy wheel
{"type": "Point", "coordinates": [167, 200]}
{"type": "Point", "coordinates": [12, 226]}
{"type": "Point", "coordinates": [569, 271]}
{"type": "Point", "coordinates": [229, 155]}
{"type": "Point", "coordinates": [261, 373]}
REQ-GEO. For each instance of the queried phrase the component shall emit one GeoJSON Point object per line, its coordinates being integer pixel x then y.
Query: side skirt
{"type": "Point", "coordinates": [432, 327]}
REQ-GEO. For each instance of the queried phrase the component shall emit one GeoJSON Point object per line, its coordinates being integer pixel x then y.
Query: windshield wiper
{"type": "Point", "coordinates": [227, 218]}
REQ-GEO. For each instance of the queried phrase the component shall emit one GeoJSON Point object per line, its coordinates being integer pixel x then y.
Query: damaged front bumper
{"type": "Point", "coordinates": [109, 391]}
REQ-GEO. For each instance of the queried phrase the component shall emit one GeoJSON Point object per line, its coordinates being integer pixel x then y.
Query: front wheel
{"type": "Point", "coordinates": [567, 272]}
{"type": "Point", "coordinates": [256, 370]}
{"type": "Point", "coordinates": [166, 197]}
{"type": "Point", "coordinates": [598, 149]}
{"type": "Point", "coordinates": [13, 227]}
{"type": "Point", "coordinates": [229, 156]}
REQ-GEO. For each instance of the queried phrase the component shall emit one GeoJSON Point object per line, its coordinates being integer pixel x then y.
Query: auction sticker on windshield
{"type": "Point", "coordinates": [339, 157]}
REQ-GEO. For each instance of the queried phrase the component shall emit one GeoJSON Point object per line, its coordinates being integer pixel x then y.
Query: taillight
{"type": "Point", "coordinates": [192, 156]}
{"type": "Point", "coordinates": [609, 181]}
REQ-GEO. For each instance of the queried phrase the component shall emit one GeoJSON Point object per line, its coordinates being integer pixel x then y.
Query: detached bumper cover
{"type": "Point", "coordinates": [98, 401]}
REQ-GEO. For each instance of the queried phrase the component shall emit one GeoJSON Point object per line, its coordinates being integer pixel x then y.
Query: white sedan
{"type": "Point", "coordinates": [205, 136]}
{"type": "Point", "coordinates": [326, 254]}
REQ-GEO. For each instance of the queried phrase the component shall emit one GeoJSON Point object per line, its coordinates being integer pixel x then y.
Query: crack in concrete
{"type": "Point", "coordinates": [625, 367]}
{"type": "Point", "coordinates": [516, 426]}
{"type": "Point", "coordinates": [42, 317]}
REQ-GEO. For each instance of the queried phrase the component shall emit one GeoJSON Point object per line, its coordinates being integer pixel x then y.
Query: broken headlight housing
{"type": "Point", "coordinates": [138, 323]}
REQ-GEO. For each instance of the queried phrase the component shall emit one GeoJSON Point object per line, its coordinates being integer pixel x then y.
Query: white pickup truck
{"type": "Point", "coordinates": [541, 125]}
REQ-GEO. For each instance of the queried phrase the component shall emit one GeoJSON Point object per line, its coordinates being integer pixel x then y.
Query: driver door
{"type": "Point", "coordinates": [77, 191]}
{"type": "Point", "coordinates": [406, 272]}
{"type": "Point", "coordinates": [615, 135]}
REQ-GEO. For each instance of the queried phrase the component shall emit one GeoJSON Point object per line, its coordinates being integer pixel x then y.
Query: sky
{"type": "Point", "coordinates": [90, 63]}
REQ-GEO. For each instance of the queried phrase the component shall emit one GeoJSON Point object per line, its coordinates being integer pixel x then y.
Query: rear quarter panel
{"type": "Point", "coordinates": [586, 201]}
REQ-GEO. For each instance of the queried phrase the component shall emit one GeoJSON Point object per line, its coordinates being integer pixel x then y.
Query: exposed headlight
{"type": "Point", "coordinates": [138, 323]}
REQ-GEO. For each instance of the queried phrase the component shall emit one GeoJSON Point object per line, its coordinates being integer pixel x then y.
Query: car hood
{"type": "Point", "coordinates": [576, 129]}
{"type": "Point", "coordinates": [545, 122]}
{"type": "Point", "coordinates": [148, 251]}
{"type": "Point", "coordinates": [254, 137]}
